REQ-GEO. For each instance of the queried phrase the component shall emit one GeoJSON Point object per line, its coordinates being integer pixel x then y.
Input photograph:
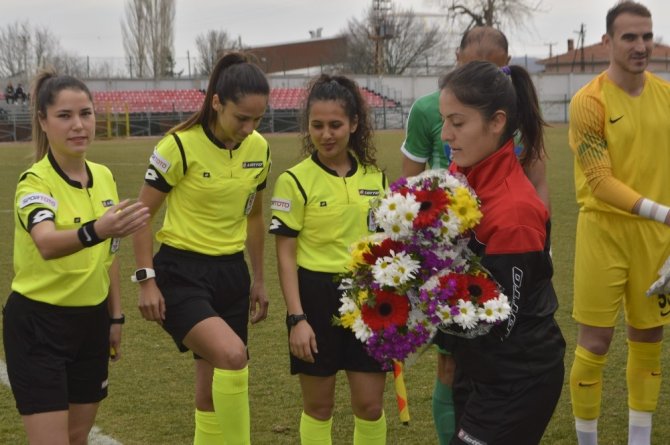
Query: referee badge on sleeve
{"type": "Point", "coordinates": [372, 223]}
{"type": "Point", "coordinates": [114, 245]}
{"type": "Point", "coordinates": [250, 203]}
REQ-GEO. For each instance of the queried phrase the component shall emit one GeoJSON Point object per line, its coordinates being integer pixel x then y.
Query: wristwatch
{"type": "Point", "coordinates": [142, 275]}
{"type": "Point", "coordinates": [120, 320]}
{"type": "Point", "coordinates": [294, 319]}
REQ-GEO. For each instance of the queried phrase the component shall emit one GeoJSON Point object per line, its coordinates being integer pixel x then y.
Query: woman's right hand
{"type": "Point", "coordinates": [151, 303]}
{"type": "Point", "coordinates": [302, 341]}
{"type": "Point", "coordinates": [122, 219]}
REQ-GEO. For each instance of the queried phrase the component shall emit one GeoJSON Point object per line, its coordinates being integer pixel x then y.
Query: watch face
{"type": "Point", "coordinates": [141, 275]}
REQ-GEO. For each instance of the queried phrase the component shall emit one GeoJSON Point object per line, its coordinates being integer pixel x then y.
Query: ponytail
{"type": "Point", "coordinates": [484, 86]}
{"type": "Point", "coordinates": [529, 116]}
{"type": "Point", "coordinates": [233, 77]}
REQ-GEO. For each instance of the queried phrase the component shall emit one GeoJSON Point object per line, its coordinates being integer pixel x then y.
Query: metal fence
{"type": "Point", "coordinates": [15, 123]}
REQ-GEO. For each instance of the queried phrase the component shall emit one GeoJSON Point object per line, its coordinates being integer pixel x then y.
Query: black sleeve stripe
{"type": "Point", "coordinates": [302, 190]}
{"type": "Point", "coordinates": [154, 178]}
{"type": "Point", "coordinates": [384, 182]}
{"type": "Point", "coordinates": [262, 185]}
{"type": "Point", "coordinates": [267, 155]}
{"type": "Point", "coordinates": [278, 227]}
{"type": "Point", "coordinates": [37, 216]}
{"type": "Point", "coordinates": [181, 151]}
{"type": "Point", "coordinates": [25, 175]}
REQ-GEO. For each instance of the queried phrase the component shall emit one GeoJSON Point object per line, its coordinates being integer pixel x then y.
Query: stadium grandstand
{"type": "Point", "coordinates": [151, 112]}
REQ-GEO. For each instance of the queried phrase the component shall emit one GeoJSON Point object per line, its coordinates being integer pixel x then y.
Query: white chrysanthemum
{"type": "Point", "coordinates": [489, 311]}
{"type": "Point", "coordinates": [361, 330]}
{"type": "Point", "coordinates": [443, 311]}
{"type": "Point", "coordinates": [467, 315]}
{"type": "Point", "coordinates": [382, 271]}
{"type": "Point", "coordinates": [348, 305]}
{"type": "Point", "coordinates": [406, 266]}
{"type": "Point", "coordinates": [503, 309]}
{"type": "Point", "coordinates": [388, 206]}
{"type": "Point", "coordinates": [394, 270]}
{"type": "Point", "coordinates": [451, 224]}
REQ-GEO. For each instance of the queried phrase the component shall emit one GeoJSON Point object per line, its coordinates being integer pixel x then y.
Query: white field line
{"type": "Point", "coordinates": [95, 437]}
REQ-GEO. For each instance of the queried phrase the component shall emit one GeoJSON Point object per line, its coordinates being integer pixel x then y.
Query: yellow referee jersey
{"type": "Point", "coordinates": [43, 193]}
{"type": "Point", "coordinates": [621, 144]}
{"type": "Point", "coordinates": [210, 189]}
{"type": "Point", "coordinates": [326, 213]}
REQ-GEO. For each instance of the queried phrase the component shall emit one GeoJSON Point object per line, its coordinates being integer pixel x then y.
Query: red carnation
{"type": "Point", "coordinates": [382, 250]}
{"type": "Point", "coordinates": [389, 309]}
{"type": "Point", "coordinates": [481, 289]}
{"type": "Point", "coordinates": [433, 203]}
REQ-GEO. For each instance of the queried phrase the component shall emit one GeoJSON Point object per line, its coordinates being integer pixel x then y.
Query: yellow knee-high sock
{"type": "Point", "coordinates": [230, 392]}
{"type": "Point", "coordinates": [586, 383]}
{"type": "Point", "coordinates": [643, 374]}
{"type": "Point", "coordinates": [314, 431]}
{"type": "Point", "coordinates": [207, 429]}
{"type": "Point", "coordinates": [370, 432]}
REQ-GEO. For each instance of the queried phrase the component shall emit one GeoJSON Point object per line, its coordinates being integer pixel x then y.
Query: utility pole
{"type": "Point", "coordinates": [580, 44]}
{"type": "Point", "coordinates": [551, 46]}
{"type": "Point", "coordinates": [381, 31]}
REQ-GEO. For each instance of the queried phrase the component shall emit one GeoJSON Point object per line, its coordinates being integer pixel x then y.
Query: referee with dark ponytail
{"type": "Point", "coordinates": [211, 171]}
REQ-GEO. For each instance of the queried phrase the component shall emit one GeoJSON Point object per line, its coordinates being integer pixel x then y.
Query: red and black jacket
{"type": "Point", "coordinates": [513, 241]}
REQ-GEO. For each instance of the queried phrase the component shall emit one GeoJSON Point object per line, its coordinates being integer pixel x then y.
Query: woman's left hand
{"type": "Point", "coordinates": [258, 308]}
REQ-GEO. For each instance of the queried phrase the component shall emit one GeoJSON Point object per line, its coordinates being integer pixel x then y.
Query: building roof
{"type": "Point", "coordinates": [305, 54]}
{"type": "Point", "coordinates": [597, 53]}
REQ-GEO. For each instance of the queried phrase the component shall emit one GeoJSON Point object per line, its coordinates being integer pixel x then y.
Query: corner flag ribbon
{"type": "Point", "coordinates": [400, 392]}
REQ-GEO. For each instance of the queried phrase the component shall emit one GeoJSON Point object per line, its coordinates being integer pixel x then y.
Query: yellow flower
{"type": "Point", "coordinates": [466, 207]}
{"type": "Point", "coordinates": [362, 297]}
{"type": "Point", "coordinates": [349, 318]}
{"type": "Point", "coordinates": [358, 249]}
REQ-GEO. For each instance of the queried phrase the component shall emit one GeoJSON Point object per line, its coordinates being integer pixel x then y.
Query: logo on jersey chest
{"type": "Point", "coordinates": [252, 164]}
{"type": "Point", "coordinates": [107, 203]}
{"type": "Point", "coordinates": [367, 192]}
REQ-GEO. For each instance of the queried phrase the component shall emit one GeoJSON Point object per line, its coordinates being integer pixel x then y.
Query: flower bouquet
{"type": "Point", "coordinates": [466, 304]}
{"type": "Point", "coordinates": [418, 275]}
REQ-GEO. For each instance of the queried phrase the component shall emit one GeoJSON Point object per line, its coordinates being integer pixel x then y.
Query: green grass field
{"type": "Point", "coordinates": [151, 388]}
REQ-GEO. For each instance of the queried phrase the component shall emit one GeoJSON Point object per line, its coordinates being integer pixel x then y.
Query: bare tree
{"type": "Point", "coordinates": [210, 46]}
{"type": "Point", "coordinates": [135, 41]}
{"type": "Point", "coordinates": [393, 46]}
{"type": "Point", "coordinates": [45, 46]}
{"type": "Point", "coordinates": [15, 41]}
{"type": "Point", "coordinates": [502, 14]}
{"type": "Point", "coordinates": [148, 37]}
{"type": "Point", "coordinates": [161, 37]}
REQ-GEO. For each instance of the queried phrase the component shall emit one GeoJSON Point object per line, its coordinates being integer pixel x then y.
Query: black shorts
{"type": "Point", "coordinates": [508, 413]}
{"type": "Point", "coordinates": [338, 347]}
{"type": "Point", "coordinates": [55, 355]}
{"type": "Point", "coordinates": [197, 287]}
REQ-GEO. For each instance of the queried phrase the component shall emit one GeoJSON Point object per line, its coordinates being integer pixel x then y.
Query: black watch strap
{"type": "Point", "coordinates": [294, 319]}
{"type": "Point", "coordinates": [120, 320]}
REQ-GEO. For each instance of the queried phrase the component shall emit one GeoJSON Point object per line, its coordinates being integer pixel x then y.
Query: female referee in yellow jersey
{"type": "Point", "coordinates": [64, 311]}
{"type": "Point", "coordinates": [211, 170]}
{"type": "Point", "coordinates": [319, 208]}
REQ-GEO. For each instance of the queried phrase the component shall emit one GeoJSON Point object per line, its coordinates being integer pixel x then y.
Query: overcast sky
{"type": "Point", "coordinates": [93, 27]}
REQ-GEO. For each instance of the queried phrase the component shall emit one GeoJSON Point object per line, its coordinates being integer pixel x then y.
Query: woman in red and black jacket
{"type": "Point", "coordinates": [508, 381]}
